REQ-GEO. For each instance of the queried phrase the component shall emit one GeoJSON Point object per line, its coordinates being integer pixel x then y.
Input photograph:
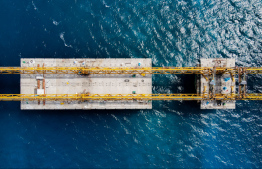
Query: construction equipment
{"type": "Point", "coordinates": [129, 70]}
{"type": "Point", "coordinates": [94, 83]}
{"type": "Point", "coordinates": [114, 97]}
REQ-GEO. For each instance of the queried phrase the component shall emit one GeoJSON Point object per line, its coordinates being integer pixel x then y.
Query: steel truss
{"type": "Point", "coordinates": [128, 70]}
{"type": "Point", "coordinates": [112, 97]}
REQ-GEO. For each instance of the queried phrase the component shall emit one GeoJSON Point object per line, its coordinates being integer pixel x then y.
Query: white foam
{"type": "Point", "coordinates": [55, 22]}
{"type": "Point", "coordinates": [35, 8]}
{"type": "Point", "coordinates": [62, 37]}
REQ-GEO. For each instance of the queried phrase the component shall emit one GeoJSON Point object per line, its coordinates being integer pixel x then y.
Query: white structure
{"type": "Point", "coordinates": [223, 84]}
{"type": "Point", "coordinates": [79, 84]}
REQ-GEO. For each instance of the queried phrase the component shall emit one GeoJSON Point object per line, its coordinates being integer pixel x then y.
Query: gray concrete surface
{"type": "Point", "coordinates": [94, 84]}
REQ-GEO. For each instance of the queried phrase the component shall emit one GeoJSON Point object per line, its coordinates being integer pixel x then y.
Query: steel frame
{"type": "Point", "coordinates": [127, 70]}
{"type": "Point", "coordinates": [101, 97]}
{"type": "Point", "coordinates": [205, 71]}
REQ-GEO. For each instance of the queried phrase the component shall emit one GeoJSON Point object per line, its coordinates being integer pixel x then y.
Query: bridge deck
{"type": "Point", "coordinates": [83, 84]}
{"type": "Point", "coordinates": [223, 84]}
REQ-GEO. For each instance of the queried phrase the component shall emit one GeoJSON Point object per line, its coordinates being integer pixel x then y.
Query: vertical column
{"type": "Point", "coordinates": [44, 83]}
{"type": "Point", "coordinates": [38, 84]}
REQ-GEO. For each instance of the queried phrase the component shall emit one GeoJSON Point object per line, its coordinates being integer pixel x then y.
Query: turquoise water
{"type": "Point", "coordinates": [172, 33]}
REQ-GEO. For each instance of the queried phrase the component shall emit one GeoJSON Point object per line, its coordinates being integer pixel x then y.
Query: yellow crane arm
{"type": "Point", "coordinates": [86, 97]}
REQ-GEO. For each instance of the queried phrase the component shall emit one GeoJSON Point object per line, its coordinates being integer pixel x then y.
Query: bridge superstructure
{"type": "Point", "coordinates": [238, 74]}
{"type": "Point", "coordinates": [114, 97]}
{"type": "Point", "coordinates": [130, 70]}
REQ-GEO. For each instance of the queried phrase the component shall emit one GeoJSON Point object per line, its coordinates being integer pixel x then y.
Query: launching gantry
{"type": "Point", "coordinates": [115, 97]}
{"type": "Point", "coordinates": [123, 83]}
{"type": "Point", "coordinates": [130, 70]}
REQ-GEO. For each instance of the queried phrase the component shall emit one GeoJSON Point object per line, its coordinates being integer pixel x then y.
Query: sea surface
{"type": "Point", "coordinates": [172, 33]}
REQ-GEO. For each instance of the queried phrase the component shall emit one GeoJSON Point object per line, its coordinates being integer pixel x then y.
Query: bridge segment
{"type": "Point", "coordinates": [42, 75]}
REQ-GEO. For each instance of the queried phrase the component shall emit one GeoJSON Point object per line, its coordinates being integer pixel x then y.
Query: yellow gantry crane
{"type": "Point", "coordinates": [205, 71]}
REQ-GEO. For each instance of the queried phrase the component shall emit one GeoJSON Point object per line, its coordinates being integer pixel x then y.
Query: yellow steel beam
{"type": "Point", "coordinates": [252, 96]}
{"type": "Point", "coordinates": [86, 97]}
{"type": "Point", "coordinates": [83, 97]}
{"type": "Point", "coordinates": [102, 70]}
{"type": "Point", "coordinates": [253, 70]}
{"type": "Point", "coordinates": [126, 70]}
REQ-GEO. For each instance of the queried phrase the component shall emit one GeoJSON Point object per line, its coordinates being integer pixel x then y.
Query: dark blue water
{"type": "Point", "coordinates": [172, 33]}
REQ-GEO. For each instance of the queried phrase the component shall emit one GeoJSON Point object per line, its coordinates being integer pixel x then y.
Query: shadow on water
{"type": "Point", "coordinates": [188, 84]}
{"type": "Point", "coordinates": [124, 112]}
{"type": "Point", "coordinates": [187, 107]}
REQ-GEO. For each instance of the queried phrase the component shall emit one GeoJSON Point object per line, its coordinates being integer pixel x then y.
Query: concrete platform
{"type": "Point", "coordinates": [94, 84]}
{"type": "Point", "coordinates": [221, 85]}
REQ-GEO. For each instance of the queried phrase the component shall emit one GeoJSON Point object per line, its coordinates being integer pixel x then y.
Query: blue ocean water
{"type": "Point", "coordinates": [172, 33]}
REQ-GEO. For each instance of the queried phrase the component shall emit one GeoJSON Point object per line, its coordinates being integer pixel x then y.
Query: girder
{"type": "Point", "coordinates": [205, 71]}
{"type": "Point", "coordinates": [87, 97]}
{"type": "Point", "coordinates": [128, 70]}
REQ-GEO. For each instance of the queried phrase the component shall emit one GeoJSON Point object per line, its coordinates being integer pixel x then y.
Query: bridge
{"type": "Point", "coordinates": [205, 71]}
{"type": "Point", "coordinates": [87, 97]}
{"type": "Point", "coordinates": [129, 70]}
{"type": "Point", "coordinates": [207, 89]}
